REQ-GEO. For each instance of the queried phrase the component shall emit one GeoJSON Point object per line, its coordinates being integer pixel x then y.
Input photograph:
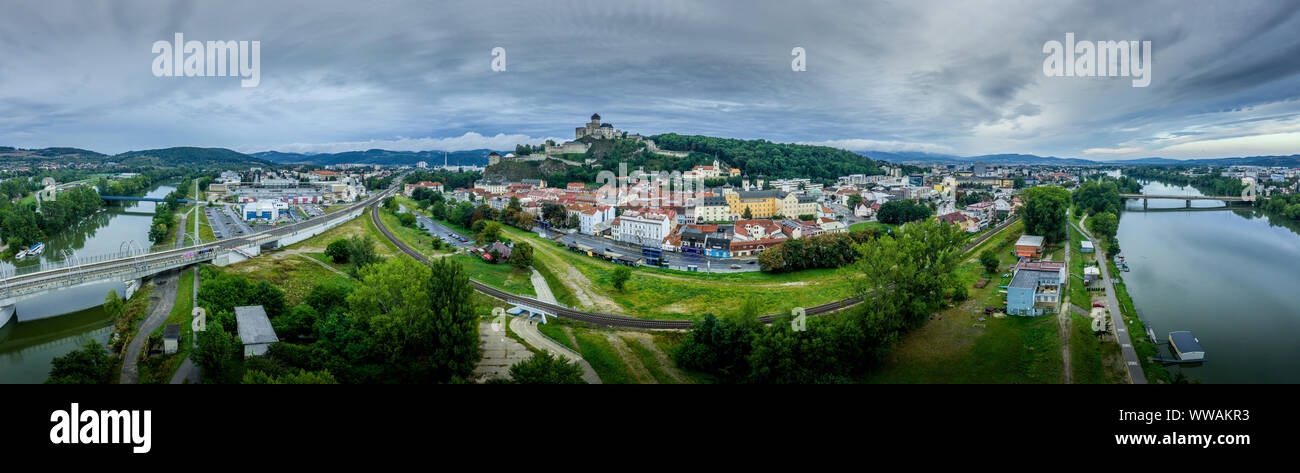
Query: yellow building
{"type": "Point", "coordinates": [761, 204]}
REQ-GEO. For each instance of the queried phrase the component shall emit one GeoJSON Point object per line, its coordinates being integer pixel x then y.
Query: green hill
{"type": "Point", "coordinates": [188, 156]}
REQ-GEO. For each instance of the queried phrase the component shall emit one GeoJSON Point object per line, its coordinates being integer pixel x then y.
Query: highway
{"type": "Point", "coordinates": [610, 320]}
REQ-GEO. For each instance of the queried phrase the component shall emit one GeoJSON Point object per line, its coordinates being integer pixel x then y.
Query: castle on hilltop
{"type": "Point", "coordinates": [595, 129]}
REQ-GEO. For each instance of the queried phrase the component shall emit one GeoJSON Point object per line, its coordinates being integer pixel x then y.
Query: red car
{"type": "Point", "coordinates": [1098, 304]}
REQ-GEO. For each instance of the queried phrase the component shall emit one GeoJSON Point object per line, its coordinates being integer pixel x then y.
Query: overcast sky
{"type": "Point", "coordinates": [961, 77]}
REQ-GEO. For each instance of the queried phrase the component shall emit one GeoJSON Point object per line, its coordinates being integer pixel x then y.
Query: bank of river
{"type": "Point", "coordinates": [1227, 276]}
{"type": "Point", "coordinates": [51, 325]}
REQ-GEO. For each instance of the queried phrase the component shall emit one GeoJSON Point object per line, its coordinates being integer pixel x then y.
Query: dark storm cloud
{"type": "Point", "coordinates": [962, 77]}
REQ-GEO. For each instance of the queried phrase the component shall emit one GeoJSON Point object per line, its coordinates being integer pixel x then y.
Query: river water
{"type": "Point", "coordinates": [1230, 277]}
{"type": "Point", "coordinates": [54, 324]}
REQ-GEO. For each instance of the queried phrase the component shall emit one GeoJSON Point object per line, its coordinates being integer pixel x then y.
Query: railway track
{"type": "Point", "coordinates": [610, 320]}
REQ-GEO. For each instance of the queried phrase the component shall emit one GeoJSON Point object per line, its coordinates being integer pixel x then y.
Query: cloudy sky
{"type": "Point", "coordinates": [960, 77]}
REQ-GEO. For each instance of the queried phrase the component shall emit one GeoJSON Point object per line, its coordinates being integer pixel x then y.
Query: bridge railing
{"type": "Point", "coordinates": [70, 262]}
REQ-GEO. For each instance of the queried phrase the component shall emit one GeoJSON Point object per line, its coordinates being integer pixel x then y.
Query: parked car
{"type": "Point", "coordinates": [752, 262]}
{"type": "Point", "coordinates": [1098, 304]}
{"type": "Point", "coordinates": [735, 266]}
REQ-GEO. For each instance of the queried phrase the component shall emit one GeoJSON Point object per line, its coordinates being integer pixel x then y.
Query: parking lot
{"type": "Point", "coordinates": [227, 222]}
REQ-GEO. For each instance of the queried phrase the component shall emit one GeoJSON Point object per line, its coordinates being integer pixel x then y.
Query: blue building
{"type": "Point", "coordinates": [1035, 289]}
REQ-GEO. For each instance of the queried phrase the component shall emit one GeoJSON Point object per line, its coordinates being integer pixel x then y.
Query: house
{"type": "Point", "coordinates": [1029, 246]}
{"type": "Point", "coordinates": [593, 218]}
{"type": "Point", "coordinates": [500, 248]}
{"type": "Point", "coordinates": [171, 338]}
{"type": "Point", "coordinates": [409, 189]}
{"type": "Point", "coordinates": [830, 225]}
{"type": "Point", "coordinates": [965, 222]}
{"type": "Point", "coordinates": [865, 211]}
{"type": "Point", "coordinates": [1086, 246]}
{"type": "Point", "coordinates": [1035, 289]}
{"type": "Point", "coordinates": [254, 330]}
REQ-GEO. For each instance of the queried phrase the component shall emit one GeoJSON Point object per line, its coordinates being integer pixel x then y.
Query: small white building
{"type": "Point", "coordinates": [171, 338]}
{"type": "Point", "coordinates": [254, 330]}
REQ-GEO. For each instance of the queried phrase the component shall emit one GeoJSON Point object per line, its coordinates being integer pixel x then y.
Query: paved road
{"type": "Point", "coordinates": [1131, 360]}
{"type": "Point", "coordinates": [166, 294]}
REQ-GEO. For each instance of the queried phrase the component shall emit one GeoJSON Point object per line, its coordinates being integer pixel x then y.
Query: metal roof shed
{"type": "Point", "coordinates": [254, 330]}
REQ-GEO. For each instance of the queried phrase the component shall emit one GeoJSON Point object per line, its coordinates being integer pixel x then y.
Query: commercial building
{"type": "Point", "coordinates": [261, 210]}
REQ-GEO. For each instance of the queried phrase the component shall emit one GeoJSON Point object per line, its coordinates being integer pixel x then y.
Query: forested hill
{"type": "Point", "coordinates": [476, 157]}
{"type": "Point", "coordinates": [187, 156]}
{"type": "Point", "coordinates": [772, 160]}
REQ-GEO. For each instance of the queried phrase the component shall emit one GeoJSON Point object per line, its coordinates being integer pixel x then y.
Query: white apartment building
{"type": "Point", "coordinates": [646, 227]}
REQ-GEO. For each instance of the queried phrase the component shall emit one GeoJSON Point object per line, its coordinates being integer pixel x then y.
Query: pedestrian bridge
{"type": "Point", "coordinates": [133, 267]}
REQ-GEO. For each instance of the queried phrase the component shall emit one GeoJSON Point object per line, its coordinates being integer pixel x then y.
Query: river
{"type": "Point", "coordinates": [55, 324]}
{"type": "Point", "coordinates": [1227, 276]}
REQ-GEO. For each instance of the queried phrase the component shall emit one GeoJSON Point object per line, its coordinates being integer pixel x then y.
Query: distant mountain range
{"type": "Point", "coordinates": [179, 156]}
{"type": "Point", "coordinates": [477, 157]}
{"type": "Point", "coordinates": [1035, 160]}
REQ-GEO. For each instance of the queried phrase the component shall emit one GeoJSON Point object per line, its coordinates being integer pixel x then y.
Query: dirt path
{"type": "Point", "coordinates": [637, 370]}
{"type": "Point", "coordinates": [323, 265]}
{"type": "Point", "coordinates": [648, 341]}
{"type": "Point", "coordinates": [580, 286]}
{"type": "Point", "coordinates": [1064, 321]}
{"type": "Point", "coordinates": [161, 302]}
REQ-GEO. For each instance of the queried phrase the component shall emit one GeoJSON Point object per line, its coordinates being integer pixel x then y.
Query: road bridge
{"type": "Point", "coordinates": [132, 267]}
{"type": "Point", "coordinates": [1228, 199]}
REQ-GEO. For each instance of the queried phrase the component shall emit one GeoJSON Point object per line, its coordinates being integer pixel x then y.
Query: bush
{"type": "Point", "coordinates": [337, 251]}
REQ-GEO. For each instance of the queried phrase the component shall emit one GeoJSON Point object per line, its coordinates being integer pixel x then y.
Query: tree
{"type": "Point", "coordinates": [113, 305]}
{"type": "Point", "coordinates": [215, 352]}
{"type": "Point", "coordinates": [898, 212]}
{"type": "Point", "coordinates": [542, 368]}
{"type": "Point", "coordinates": [489, 232]}
{"type": "Point", "coordinates": [989, 259]}
{"type": "Point", "coordinates": [854, 201]}
{"type": "Point", "coordinates": [361, 251]}
{"type": "Point", "coordinates": [573, 221]}
{"type": "Point", "coordinates": [620, 276]}
{"type": "Point", "coordinates": [1103, 225]}
{"type": "Point", "coordinates": [406, 219]}
{"type": "Point", "coordinates": [747, 214]}
{"type": "Point", "coordinates": [1044, 211]}
{"type": "Point", "coordinates": [416, 322]}
{"type": "Point", "coordinates": [298, 377]}
{"type": "Point", "coordinates": [337, 250]}
{"type": "Point", "coordinates": [89, 365]}
{"type": "Point", "coordinates": [717, 346]}
{"type": "Point", "coordinates": [521, 255]}
{"type": "Point", "coordinates": [1018, 182]}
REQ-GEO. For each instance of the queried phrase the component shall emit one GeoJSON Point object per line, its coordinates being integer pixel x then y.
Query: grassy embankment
{"type": "Point", "coordinates": [956, 347]}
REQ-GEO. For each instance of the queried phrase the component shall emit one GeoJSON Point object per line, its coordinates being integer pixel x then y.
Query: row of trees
{"type": "Point", "coordinates": [827, 250]}
{"type": "Point", "coordinates": [1044, 212]}
{"type": "Point", "coordinates": [903, 278]}
{"type": "Point", "coordinates": [898, 212]}
{"type": "Point", "coordinates": [404, 322]}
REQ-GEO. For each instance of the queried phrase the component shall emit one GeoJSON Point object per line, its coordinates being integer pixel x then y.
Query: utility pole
{"type": "Point", "coordinates": [196, 212]}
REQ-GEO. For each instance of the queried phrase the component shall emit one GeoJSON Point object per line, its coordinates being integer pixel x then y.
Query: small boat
{"type": "Point", "coordinates": [21, 254]}
{"type": "Point", "coordinates": [36, 249]}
